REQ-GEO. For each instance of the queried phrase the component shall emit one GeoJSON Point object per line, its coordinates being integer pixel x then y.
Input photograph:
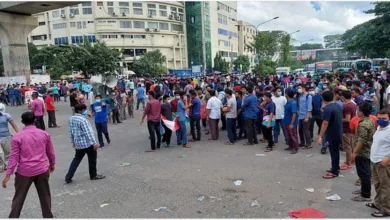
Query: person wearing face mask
{"type": "Point", "coordinates": [316, 111]}
{"type": "Point", "coordinates": [305, 107]}
{"type": "Point", "coordinates": [332, 128]}
{"type": "Point", "coordinates": [280, 101]}
{"type": "Point", "coordinates": [369, 94]}
{"type": "Point", "coordinates": [361, 153]}
{"type": "Point", "coordinates": [84, 142]}
{"type": "Point", "coordinates": [349, 111]}
{"type": "Point", "coordinates": [380, 158]}
{"type": "Point", "coordinates": [152, 112]}
{"type": "Point", "coordinates": [99, 112]}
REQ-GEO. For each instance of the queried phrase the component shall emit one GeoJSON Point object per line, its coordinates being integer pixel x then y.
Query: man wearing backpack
{"type": "Point", "coordinates": [304, 114]}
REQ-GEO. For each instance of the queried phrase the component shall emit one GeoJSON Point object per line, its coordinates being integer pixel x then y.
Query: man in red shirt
{"type": "Point", "coordinates": [51, 110]}
{"type": "Point", "coordinates": [23, 91]}
{"type": "Point", "coordinates": [153, 112]}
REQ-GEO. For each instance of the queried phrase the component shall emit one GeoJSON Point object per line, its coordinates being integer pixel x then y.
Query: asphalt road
{"type": "Point", "coordinates": [163, 179]}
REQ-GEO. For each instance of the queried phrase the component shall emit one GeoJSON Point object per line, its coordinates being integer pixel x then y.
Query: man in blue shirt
{"type": "Point", "coordinates": [181, 133]}
{"type": "Point", "coordinates": [250, 113]}
{"type": "Point", "coordinates": [195, 116]}
{"type": "Point", "coordinates": [290, 122]}
{"type": "Point", "coordinates": [316, 111]}
{"type": "Point", "coordinates": [99, 110]}
{"type": "Point", "coordinates": [140, 96]}
{"type": "Point", "coordinates": [268, 120]}
{"type": "Point", "coordinates": [305, 107]}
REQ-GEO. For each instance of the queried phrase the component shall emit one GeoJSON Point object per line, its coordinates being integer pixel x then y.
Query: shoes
{"type": "Point", "coordinates": [323, 150]}
{"type": "Point", "coordinates": [68, 181]}
{"type": "Point", "coordinates": [98, 177]}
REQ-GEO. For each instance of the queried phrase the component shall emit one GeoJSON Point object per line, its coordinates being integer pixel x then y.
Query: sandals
{"type": "Point", "coordinates": [308, 147]}
{"type": "Point", "coordinates": [357, 192]}
{"type": "Point", "coordinates": [357, 183]}
{"type": "Point", "coordinates": [371, 205]}
{"type": "Point", "coordinates": [191, 140]}
{"type": "Point", "coordinates": [186, 146]}
{"type": "Point", "coordinates": [268, 149]}
{"type": "Point", "coordinates": [148, 151]}
{"type": "Point", "coordinates": [330, 176]}
{"type": "Point", "coordinates": [228, 143]}
{"type": "Point", "coordinates": [361, 199]}
{"type": "Point", "coordinates": [380, 214]}
{"type": "Point", "coordinates": [345, 167]}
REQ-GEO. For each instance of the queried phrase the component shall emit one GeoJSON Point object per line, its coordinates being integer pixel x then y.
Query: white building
{"type": "Point", "coordinates": [134, 27]}
{"type": "Point", "coordinates": [246, 35]}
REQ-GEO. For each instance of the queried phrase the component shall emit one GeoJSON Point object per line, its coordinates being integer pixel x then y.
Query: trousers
{"type": "Point", "coordinates": [278, 126]}
{"type": "Point", "coordinates": [231, 129]}
{"type": "Point", "coordinates": [195, 124]}
{"type": "Point", "coordinates": [292, 135]}
{"type": "Point", "coordinates": [22, 186]}
{"type": "Point", "coordinates": [268, 136]}
{"type": "Point", "coordinates": [79, 155]}
{"type": "Point", "coordinates": [167, 135]}
{"type": "Point", "coordinates": [381, 181]}
{"type": "Point", "coordinates": [250, 126]}
{"type": "Point", "coordinates": [304, 132]}
{"type": "Point", "coordinates": [181, 133]}
{"type": "Point", "coordinates": [101, 128]}
{"type": "Point", "coordinates": [51, 117]}
{"type": "Point", "coordinates": [154, 132]}
{"type": "Point", "coordinates": [214, 130]}
{"type": "Point", "coordinates": [39, 123]}
{"type": "Point", "coordinates": [363, 169]}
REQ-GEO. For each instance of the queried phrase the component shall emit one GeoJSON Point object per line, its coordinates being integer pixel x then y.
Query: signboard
{"type": "Point", "coordinates": [197, 69]}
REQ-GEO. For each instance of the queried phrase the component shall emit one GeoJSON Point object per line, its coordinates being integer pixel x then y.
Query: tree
{"type": "Point", "coordinates": [308, 46]}
{"type": "Point", "coordinates": [150, 64]}
{"type": "Point", "coordinates": [265, 66]}
{"type": "Point", "coordinates": [266, 43]}
{"type": "Point", "coordinates": [221, 64]}
{"type": "Point", "coordinates": [371, 38]}
{"type": "Point", "coordinates": [285, 49]}
{"type": "Point", "coordinates": [242, 63]}
{"type": "Point", "coordinates": [333, 41]}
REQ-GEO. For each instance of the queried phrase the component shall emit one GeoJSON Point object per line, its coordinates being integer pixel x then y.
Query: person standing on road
{"type": "Point", "coordinates": [361, 153]}
{"type": "Point", "coordinates": [83, 141]}
{"type": "Point", "coordinates": [195, 116]}
{"type": "Point", "coordinates": [268, 120]}
{"type": "Point", "coordinates": [380, 158]}
{"type": "Point", "coordinates": [99, 112]}
{"type": "Point", "coordinates": [33, 158]}
{"type": "Point", "coordinates": [140, 96]}
{"type": "Point", "coordinates": [213, 114]}
{"type": "Point", "coordinates": [166, 111]}
{"type": "Point", "coordinates": [182, 107]}
{"type": "Point", "coordinates": [290, 122]}
{"type": "Point", "coordinates": [332, 128]}
{"type": "Point", "coordinates": [349, 111]}
{"type": "Point", "coordinates": [280, 101]}
{"type": "Point", "coordinates": [305, 107]}
{"type": "Point", "coordinates": [231, 116]}
{"type": "Point", "coordinates": [38, 108]}
{"type": "Point", "coordinates": [64, 91]}
{"type": "Point", "coordinates": [51, 110]}
{"type": "Point", "coordinates": [152, 112]}
{"type": "Point", "coordinates": [123, 105]}
{"type": "Point", "coordinates": [250, 109]}
{"type": "Point", "coordinates": [5, 136]}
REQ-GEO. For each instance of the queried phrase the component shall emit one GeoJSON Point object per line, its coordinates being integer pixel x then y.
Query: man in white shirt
{"type": "Point", "coordinates": [380, 158]}
{"type": "Point", "coordinates": [280, 101]}
{"type": "Point", "coordinates": [388, 94]}
{"type": "Point", "coordinates": [231, 114]}
{"type": "Point", "coordinates": [213, 114]}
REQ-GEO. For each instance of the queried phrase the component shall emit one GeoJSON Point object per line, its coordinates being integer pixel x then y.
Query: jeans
{"type": "Point", "coordinates": [11, 100]}
{"type": "Point", "coordinates": [101, 128]}
{"type": "Point", "coordinates": [195, 123]}
{"type": "Point", "coordinates": [141, 101]}
{"type": "Point", "coordinates": [167, 135]}
{"type": "Point", "coordinates": [334, 150]}
{"type": "Point", "coordinates": [223, 120]}
{"type": "Point", "coordinates": [278, 126]}
{"type": "Point", "coordinates": [231, 129]}
{"type": "Point", "coordinates": [251, 130]}
{"type": "Point", "coordinates": [268, 136]}
{"type": "Point", "coordinates": [181, 134]}
{"type": "Point", "coordinates": [363, 169]}
{"type": "Point", "coordinates": [51, 116]}
{"type": "Point", "coordinates": [92, 156]}
{"type": "Point", "coordinates": [318, 120]}
{"type": "Point", "coordinates": [241, 126]}
{"type": "Point", "coordinates": [39, 123]}
{"type": "Point", "coordinates": [154, 130]}
{"type": "Point", "coordinates": [304, 132]}
{"type": "Point", "coordinates": [115, 115]}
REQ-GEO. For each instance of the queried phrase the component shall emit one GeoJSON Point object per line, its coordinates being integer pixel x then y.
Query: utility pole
{"type": "Point", "coordinates": [203, 37]}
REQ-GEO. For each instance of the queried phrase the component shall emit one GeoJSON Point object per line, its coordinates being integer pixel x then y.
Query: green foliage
{"type": "Point", "coordinates": [150, 64]}
{"type": "Point", "coordinates": [266, 43]}
{"type": "Point", "coordinates": [221, 64]}
{"type": "Point", "coordinates": [285, 50]}
{"type": "Point", "coordinates": [265, 66]}
{"type": "Point", "coordinates": [333, 41]}
{"type": "Point", "coordinates": [371, 38]}
{"type": "Point", "coordinates": [296, 64]}
{"type": "Point", "coordinates": [242, 63]}
{"type": "Point", "coordinates": [308, 46]}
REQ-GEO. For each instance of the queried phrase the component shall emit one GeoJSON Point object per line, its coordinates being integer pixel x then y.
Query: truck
{"type": "Point", "coordinates": [280, 70]}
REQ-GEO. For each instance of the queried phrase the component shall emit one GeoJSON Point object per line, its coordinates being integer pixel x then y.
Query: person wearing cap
{"type": "Point", "coordinates": [5, 136]}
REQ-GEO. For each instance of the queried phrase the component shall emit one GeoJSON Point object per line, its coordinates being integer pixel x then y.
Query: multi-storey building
{"type": "Point", "coordinates": [246, 36]}
{"type": "Point", "coordinates": [133, 27]}
{"type": "Point", "coordinates": [211, 29]}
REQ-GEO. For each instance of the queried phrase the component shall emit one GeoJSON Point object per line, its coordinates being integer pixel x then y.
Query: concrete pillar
{"type": "Point", "coordinates": [14, 30]}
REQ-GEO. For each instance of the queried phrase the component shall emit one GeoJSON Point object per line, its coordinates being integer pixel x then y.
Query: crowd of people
{"type": "Point", "coordinates": [351, 112]}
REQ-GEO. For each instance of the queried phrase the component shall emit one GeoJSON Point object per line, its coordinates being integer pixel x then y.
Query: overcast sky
{"type": "Point", "coordinates": [313, 19]}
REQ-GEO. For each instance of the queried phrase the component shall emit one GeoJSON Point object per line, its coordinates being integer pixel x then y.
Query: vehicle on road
{"type": "Point", "coordinates": [309, 69]}
{"type": "Point", "coordinates": [325, 66]}
{"type": "Point", "coordinates": [380, 62]}
{"type": "Point", "coordinates": [280, 70]}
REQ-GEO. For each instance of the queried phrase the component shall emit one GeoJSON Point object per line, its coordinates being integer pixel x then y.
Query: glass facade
{"type": "Point", "coordinates": [195, 33]}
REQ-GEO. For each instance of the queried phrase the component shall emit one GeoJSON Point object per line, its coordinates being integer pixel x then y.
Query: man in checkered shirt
{"type": "Point", "coordinates": [84, 142]}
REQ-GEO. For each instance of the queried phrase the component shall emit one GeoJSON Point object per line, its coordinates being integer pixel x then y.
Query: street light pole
{"type": "Point", "coordinates": [257, 27]}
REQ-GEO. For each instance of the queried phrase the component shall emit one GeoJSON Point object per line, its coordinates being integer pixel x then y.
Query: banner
{"type": "Point", "coordinates": [172, 125]}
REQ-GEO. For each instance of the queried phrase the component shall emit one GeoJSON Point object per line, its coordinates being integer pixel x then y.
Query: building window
{"type": "Point", "coordinates": [99, 3]}
{"type": "Point", "coordinates": [193, 19]}
{"type": "Point", "coordinates": [181, 10]}
{"type": "Point", "coordinates": [55, 14]}
{"type": "Point", "coordinates": [139, 24]}
{"type": "Point", "coordinates": [59, 26]}
{"type": "Point", "coordinates": [176, 27]}
{"type": "Point", "coordinates": [112, 36]}
{"type": "Point", "coordinates": [139, 52]}
{"type": "Point", "coordinates": [139, 36]}
{"type": "Point", "coordinates": [137, 11]}
{"type": "Point", "coordinates": [164, 26]}
{"type": "Point", "coordinates": [102, 22]}
{"type": "Point", "coordinates": [124, 8]}
{"type": "Point", "coordinates": [111, 22]}
{"type": "Point", "coordinates": [137, 5]}
{"type": "Point", "coordinates": [125, 24]}
{"type": "Point", "coordinates": [77, 39]}
{"type": "Point", "coordinates": [128, 52]}
{"type": "Point", "coordinates": [174, 10]}
{"type": "Point", "coordinates": [61, 40]}
{"type": "Point", "coordinates": [87, 8]}
{"type": "Point", "coordinates": [72, 24]}
{"type": "Point", "coordinates": [41, 23]}
{"type": "Point", "coordinates": [153, 6]}
{"type": "Point", "coordinates": [127, 36]}
{"type": "Point", "coordinates": [110, 10]}
{"type": "Point", "coordinates": [90, 22]}
{"type": "Point", "coordinates": [163, 13]}
{"type": "Point", "coordinates": [222, 19]}
{"type": "Point", "coordinates": [81, 25]}
{"type": "Point", "coordinates": [74, 11]}
{"type": "Point", "coordinates": [162, 7]}
{"type": "Point", "coordinates": [153, 25]}
{"type": "Point", "coordinates": [39, 37]}
{"type": "Point", "coordinates": [62, 11]}
{"type": "Point", "coordinates": [152, 12]}
{"type": "Point", "coordinates": [223, 32]}
{"type": "Point", "coordinates": [91, 38]}
{"type": "Point", "coordinates": [110, 4]}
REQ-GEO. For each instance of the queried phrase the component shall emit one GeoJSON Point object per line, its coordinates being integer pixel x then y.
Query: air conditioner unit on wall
{"type": "Point", "coordinates": [123, 14]}
{"type": "Point", "coordinates": [71, 15]}
{"type": "Point", "coordinates": [156, 30]}
{"type": "Point", "coordinates": [178, 18]}
{"type": "Point", "coordinates": [147, 29]}
{"type": "Point", "coordinates": [113, 14]}
{"type": "Point", "coordinates": [171, 17]}
{"type": "Point", "coordinates": [63, 16]}
{"type": "Point", "coordinates": [150, 16]}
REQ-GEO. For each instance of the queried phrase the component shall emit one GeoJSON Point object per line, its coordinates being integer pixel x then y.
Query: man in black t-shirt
{"type": "Point", "coordinates": [332, 127]}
